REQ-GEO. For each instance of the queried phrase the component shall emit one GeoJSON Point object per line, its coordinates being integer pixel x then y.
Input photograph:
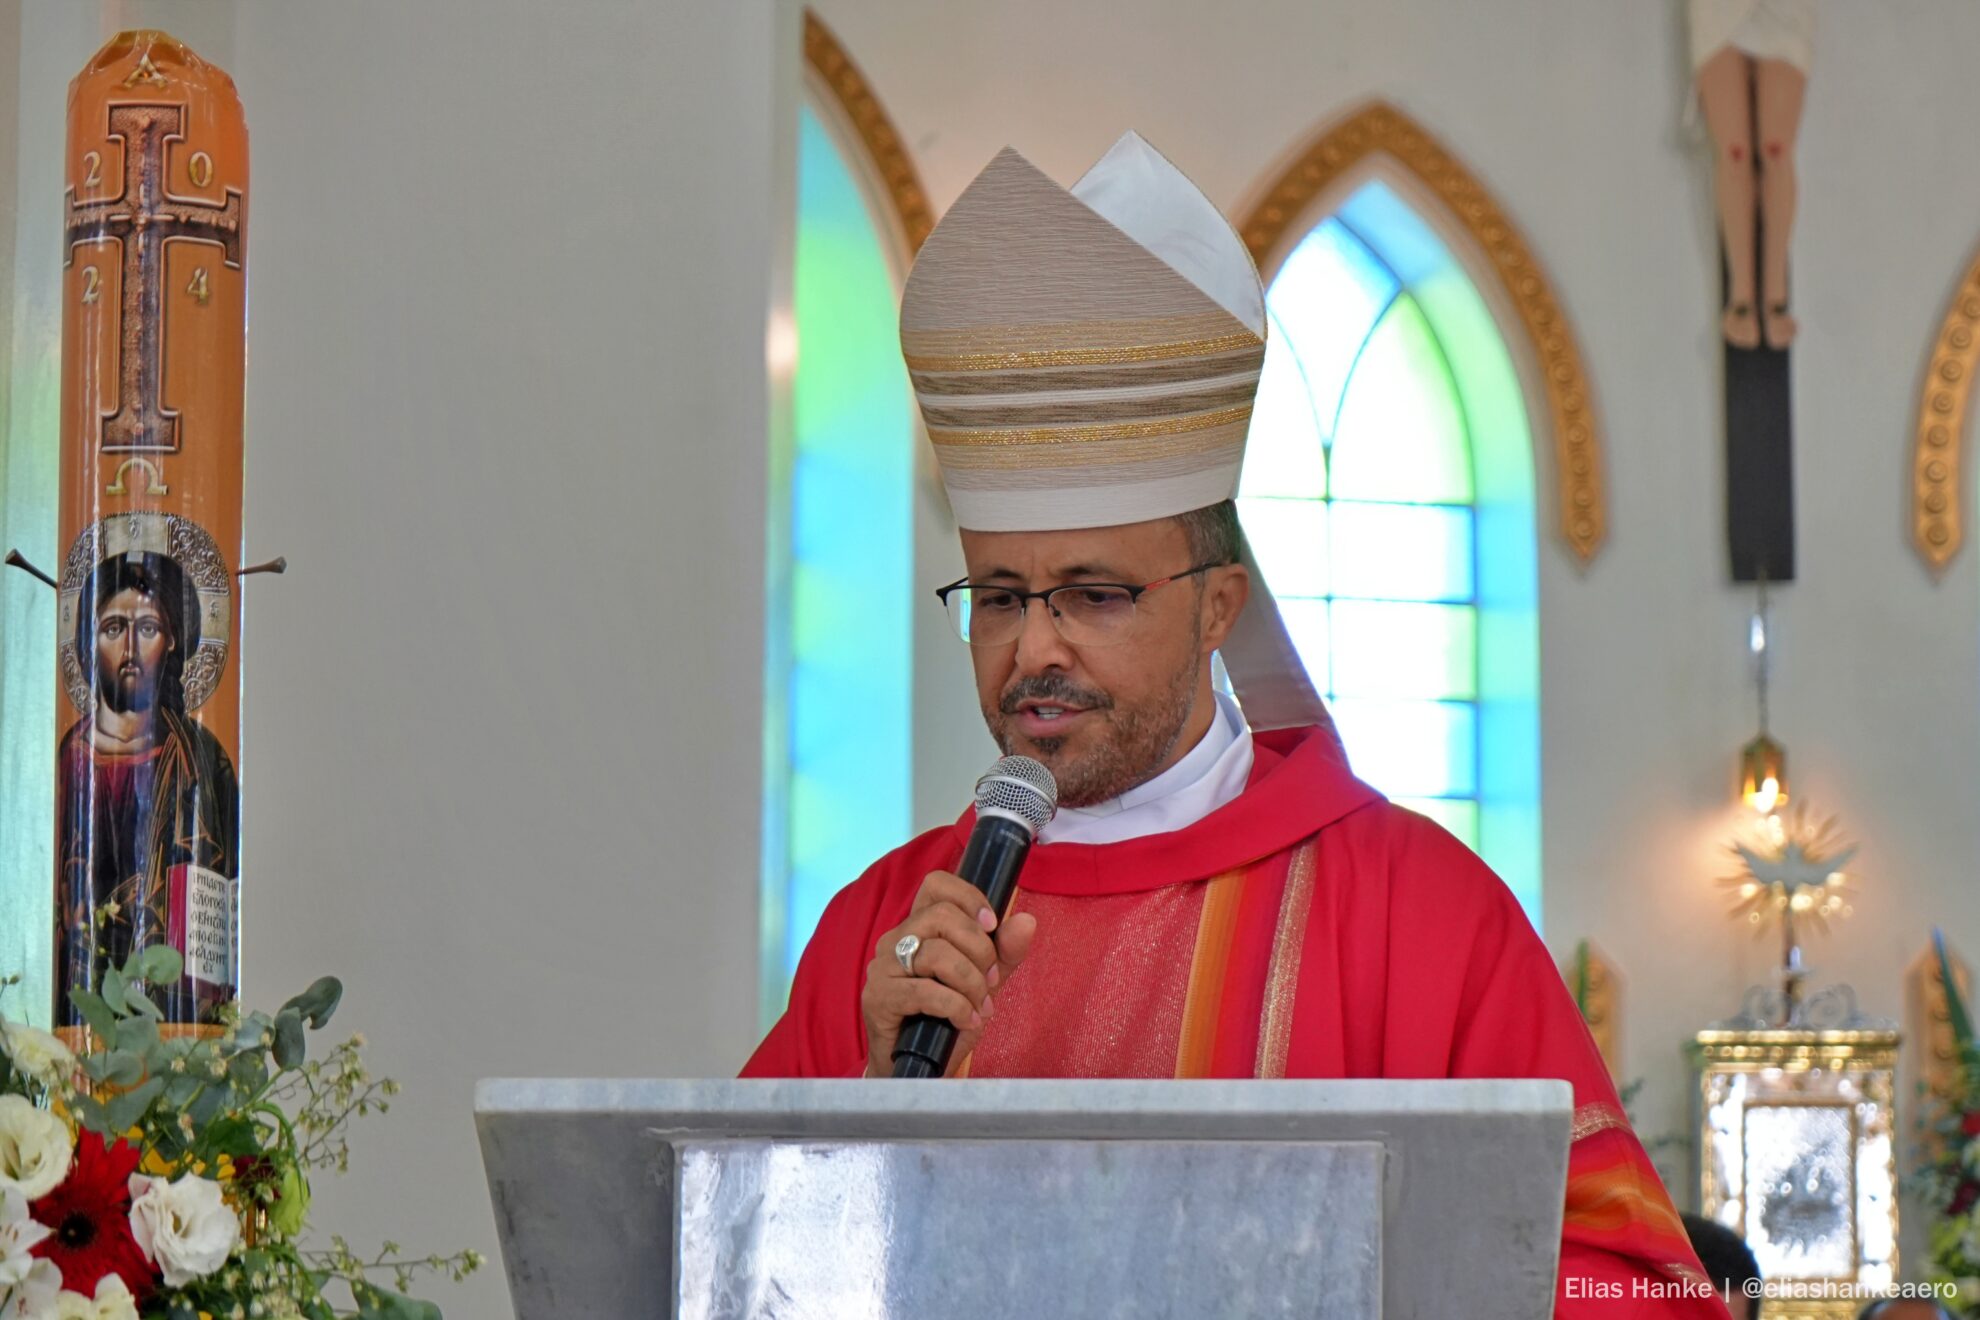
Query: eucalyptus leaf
{"type": "Point", "coordinates": [161, 964]}
{"type": "Point", "coordinates": [113, 988]}
{"type": "Point", "coordinates": [125, 1068]}
{"type": "Point", "coordinates": [179, 1088]}
{"type": "Point", "coordinates": [290, 1046]}
{"type": "Point", "coordinates": [138, 1035]}
{"type": "Point", "coordinates": [384, 1304]}
{"type": "Point", "coordinates": [140, 1002]}
{"type": "Point", "coordinates": [94, 1011]}
{"type": "Point", "coordinates": [248, 1071]}
{"type": "Point", "coordinates": [318, 1002]}
{"type": "Point", "coordinates": [206, 1105]}
{"type": "Point", "coordinates": [97, 1066]}
{"type": "Point", "coordinates": [92, 1114]}
{"type": "Point", "coordinates": [126, 1109]}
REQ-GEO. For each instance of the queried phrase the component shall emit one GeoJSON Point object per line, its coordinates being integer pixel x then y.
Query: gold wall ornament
{"type": "Point", "coordinates": [1938, 442]}
{"type": "Point", "coordinates": [1791, 871]}
{"type": "Point", "coordinates": [1798, 1155]}
{"type": "Point", "coordinates": [1554, 358]}
{"type": "Point", "coordinates": [886, 155]}
{"type": "Point", "coordinates": [1554, 366]}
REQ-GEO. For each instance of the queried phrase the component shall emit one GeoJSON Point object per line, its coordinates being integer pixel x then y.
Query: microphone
{"type": "Point", "coordinates": [1014, 799]}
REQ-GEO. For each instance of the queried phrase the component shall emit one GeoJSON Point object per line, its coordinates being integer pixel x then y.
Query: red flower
{"type": "Point", "coordinates": [90, 1219]}
{"type": "Point", "coordinates": [1970, 1125]}
{"type": "Point", "coordinates": [1963, 1199]}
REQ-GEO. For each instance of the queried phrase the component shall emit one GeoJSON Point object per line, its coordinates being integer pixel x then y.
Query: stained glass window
{"type": "Point", "coordinates": [840, 792]}
{"type": "Point", "coordinates": [1388, 494]}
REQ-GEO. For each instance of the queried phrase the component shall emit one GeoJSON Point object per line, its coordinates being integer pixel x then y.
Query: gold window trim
{"type": "Point", "coordinates": [1553, 366]}
{"type": "Point", "coordinates": [859, 110]}
{"type": "Point", "coordinates": [1939, 431]}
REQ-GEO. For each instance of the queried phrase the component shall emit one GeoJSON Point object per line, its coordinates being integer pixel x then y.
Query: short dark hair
{"type": "Point", "coordinates": [1728, 1261]}
{"type": "Point", "coordinates": [1213, 533]}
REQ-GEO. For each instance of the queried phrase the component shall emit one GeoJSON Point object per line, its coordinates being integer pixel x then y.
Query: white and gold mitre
{"type": "Point", "coordinates": [1084, 358]}
{"type": "Point", "coordinates": [1088, 358]}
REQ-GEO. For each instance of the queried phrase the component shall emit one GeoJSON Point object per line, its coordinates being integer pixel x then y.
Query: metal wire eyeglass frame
{"type": "Point", "coordinates": [1024, 599]}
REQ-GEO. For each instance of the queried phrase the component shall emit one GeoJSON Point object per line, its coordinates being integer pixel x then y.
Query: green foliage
{"type": "Point", "coordinates": [1949, 1183]}
{"type": "Point", "coordinates": [249, 1107]}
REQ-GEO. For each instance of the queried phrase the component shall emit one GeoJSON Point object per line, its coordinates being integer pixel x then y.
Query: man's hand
{"type": "Point", "coordinates": [957, 969]}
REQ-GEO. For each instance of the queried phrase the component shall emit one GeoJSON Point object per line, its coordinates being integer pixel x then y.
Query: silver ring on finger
{"type": "Point", "coordinates": [905, 950]}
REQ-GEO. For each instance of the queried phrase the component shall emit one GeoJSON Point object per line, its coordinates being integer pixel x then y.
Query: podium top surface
{"type": "Point", "coordinates": [814, 1107]}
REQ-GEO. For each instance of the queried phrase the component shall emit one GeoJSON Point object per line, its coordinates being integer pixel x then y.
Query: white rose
{"type": "Point", "coordinates": [185, 1228]}
{"type": "Point", "coordinates": [37, 1053]}
{"type": "Point", "coordinates": [27, 1285]}
{"type": "Point", "coordinates": [35, 1148]}
{"type": "Point", "coordinates": [113, 1301]}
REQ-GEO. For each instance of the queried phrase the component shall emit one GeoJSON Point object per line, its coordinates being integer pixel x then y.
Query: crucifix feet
{"type": "Point", "coordinates": [1741, 325]}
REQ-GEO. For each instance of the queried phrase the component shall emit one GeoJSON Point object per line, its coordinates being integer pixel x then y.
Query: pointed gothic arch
{"type": "Point", "coordinates": [1379, 140]}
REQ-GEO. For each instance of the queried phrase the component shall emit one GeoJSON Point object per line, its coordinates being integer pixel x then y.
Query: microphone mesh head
{"type": "Point", "coordinates": [1018, 787]}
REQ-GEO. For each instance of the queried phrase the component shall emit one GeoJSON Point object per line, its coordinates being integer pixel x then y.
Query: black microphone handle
{"type": "Point", "coordinates": [991, 862]}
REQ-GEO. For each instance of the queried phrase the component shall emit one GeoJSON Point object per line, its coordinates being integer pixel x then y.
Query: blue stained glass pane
{"type": "Point", "coordinates": [1409, 247]}
{"type": "Point", "coordinates": [1401, 433]}
{"type": "Point", "coordinates": [1402, 551]}
{"type": "Point", "coordinates": [1395, 649]}
{"type": "Point", "coordinates": [1289, 538]}
{"type": "Point", "coordinates": [1411, 748]}
{"type": "Point", "coordinates": [1325, 300]}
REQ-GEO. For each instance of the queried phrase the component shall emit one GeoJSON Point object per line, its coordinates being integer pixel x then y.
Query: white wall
{"type": "Point", "coordinates": [1571, 113]}
{"type": "Point", "coordinates": [510, 269]}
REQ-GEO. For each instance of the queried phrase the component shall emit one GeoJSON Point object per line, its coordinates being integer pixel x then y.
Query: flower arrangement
{"type": "Point", "coordinates": [1950, 1182]}
{"type": "Point", "coordinates": [166, 1177]}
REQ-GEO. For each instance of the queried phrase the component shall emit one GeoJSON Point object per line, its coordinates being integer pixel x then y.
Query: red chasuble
{"type": "Point", "coordinates": [1308, 928]}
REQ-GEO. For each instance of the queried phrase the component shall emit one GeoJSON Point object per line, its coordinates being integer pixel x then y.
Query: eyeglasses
{"type": "Point", "coordinates": [1085, 613]}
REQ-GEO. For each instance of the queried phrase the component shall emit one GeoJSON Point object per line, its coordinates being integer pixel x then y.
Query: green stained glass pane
{"type": "Point", "coordinates": [1394, 649]}
{"type": "Point", "coordinates": [1401, 551]}
{"type": "Point", "coordinates": [1324, 301]}
{"type": "Point", "coordinates": [1286, 453]}
{"type": "Point", "coordinates": [1458, 815]}
{"type": "Point", "coordinates": [1306, 624]}
{"type": "Point", "coordinates": [1289, 538]}
{"type": "Point", "coordinates": [1401, 434]}
{"type": "Point", "coordinates": [1411, 748]}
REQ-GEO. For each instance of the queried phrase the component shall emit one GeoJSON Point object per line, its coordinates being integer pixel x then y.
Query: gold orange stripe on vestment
{"type": "Point", "coordinates": [1196, 1048]}
{"type": "Point", "coordinates": [1598, 1116]}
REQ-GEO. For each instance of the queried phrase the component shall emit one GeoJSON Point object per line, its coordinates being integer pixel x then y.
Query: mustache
{"type": "Point", "coordinates": [1048, 687]}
